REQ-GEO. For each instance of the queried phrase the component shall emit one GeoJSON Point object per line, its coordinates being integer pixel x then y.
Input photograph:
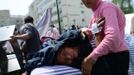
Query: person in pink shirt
{"type": "Point", "coordinates": [52, 32]}
{"type": "Point", "coordinates": [112, 45]}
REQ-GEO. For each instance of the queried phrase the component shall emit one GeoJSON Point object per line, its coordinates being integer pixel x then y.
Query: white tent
{"type": "Point", "coordinates": [129, 23]}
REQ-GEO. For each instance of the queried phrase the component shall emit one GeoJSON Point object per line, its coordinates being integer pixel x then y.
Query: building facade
{"type": "Point", "coordinates": [71, 12]}
{"type": "Point", "coordinates": [7, 19]}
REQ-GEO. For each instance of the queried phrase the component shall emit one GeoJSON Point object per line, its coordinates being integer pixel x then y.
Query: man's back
{"type": "Point", "coordinates": [33, 43]}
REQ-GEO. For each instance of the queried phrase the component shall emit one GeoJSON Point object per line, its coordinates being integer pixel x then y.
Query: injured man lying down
{"type": "Point", "coordinates": [69, 49]}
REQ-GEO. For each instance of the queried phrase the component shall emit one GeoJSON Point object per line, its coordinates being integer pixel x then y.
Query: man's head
{"type": "Point", "coordinates": [68, 47]}
{"type": "Point", "coordinates": [28, 19]}
{"type": "Point", "coordinates": [67, 54]}
{"type": "Point", "coordinates": [73, 27]}
{"type": "Point", "coordinates": [90, 3]}
{"type": "Point", "coordinates": [52, 26]}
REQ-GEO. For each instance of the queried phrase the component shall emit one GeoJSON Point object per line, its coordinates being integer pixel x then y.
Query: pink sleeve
{"type": "Point", "coordinates": [111, 32]}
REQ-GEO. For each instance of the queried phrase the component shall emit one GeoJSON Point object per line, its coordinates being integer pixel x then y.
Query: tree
{"type": "Point", "coordinates": [125, 5]}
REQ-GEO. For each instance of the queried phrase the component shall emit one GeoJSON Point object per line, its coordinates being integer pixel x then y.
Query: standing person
{"type": "Point", "coordinates": [112, 45]}
{"type": "Point", "coordinates": [52, 32]}
{"type": "Point", "coordinates": [30, 35]}
{"type": "Point", "coordinates": [73, 27]}
{"type": "Point", "coordinates": [3, 59]}
{"type": "Point", "coordinates": [130, 42]}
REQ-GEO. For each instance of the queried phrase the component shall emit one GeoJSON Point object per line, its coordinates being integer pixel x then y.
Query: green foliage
{"type": "Point", "coordinates": [125, 5]}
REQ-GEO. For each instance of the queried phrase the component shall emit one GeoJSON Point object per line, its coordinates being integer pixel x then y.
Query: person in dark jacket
{"type": "Point", "coordinates": [69, 49]}
{"type": "Point", "coordinates": [3, 59]}
{"type": "Point", "coordinates": [73, 27]}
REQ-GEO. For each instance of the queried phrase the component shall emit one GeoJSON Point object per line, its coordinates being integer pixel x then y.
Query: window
{"type": "Point", "coordinates": [82, 11]}
{"type": "Point", "coordinates": [59, 2]}
{"type": "Point", "coordinates": [81, 3]}
{"type": "Point", "coordinates": [83, 20]}
{"type": "Point", "coordinates": [17, 21]}
{"type": "Point", "coordinates": [54, 4]}
{"type": "Point", "coordinates": [61, 20]}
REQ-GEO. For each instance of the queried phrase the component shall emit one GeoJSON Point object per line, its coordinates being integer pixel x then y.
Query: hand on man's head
{"type": "Point", "coordinates": [86, 32]}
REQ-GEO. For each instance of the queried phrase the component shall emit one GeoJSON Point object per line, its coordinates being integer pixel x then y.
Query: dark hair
{"type": "Point", "coordinates": [73, 27]}
{"type": "Point", "coordinates": [28, 19]}
{"type": "Point", "coordinates": [52, 25]}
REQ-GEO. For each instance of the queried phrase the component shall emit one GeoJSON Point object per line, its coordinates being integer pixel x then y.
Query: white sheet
{"type": "Point", "coordinates": [6, 32]}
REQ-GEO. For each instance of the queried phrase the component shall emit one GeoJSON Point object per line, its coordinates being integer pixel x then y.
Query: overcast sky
{"type": "Point", "coordinates": [16, 7]}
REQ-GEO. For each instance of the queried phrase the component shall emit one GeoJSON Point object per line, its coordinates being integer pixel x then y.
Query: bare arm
{"type": "Point", "coordinates": [23, 36]}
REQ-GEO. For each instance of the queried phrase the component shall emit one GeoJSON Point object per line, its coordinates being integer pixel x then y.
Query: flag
{"type": "Point", "coordinates": [44, 22]}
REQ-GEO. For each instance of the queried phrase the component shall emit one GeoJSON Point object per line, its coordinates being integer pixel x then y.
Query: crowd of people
{"type": "Point", "coordinates": [74, 48]}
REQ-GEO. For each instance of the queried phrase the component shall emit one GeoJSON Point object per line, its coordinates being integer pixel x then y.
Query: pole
{"type": "Point", "coordinates": [58, 13]}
